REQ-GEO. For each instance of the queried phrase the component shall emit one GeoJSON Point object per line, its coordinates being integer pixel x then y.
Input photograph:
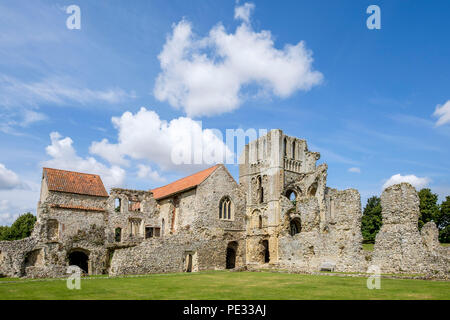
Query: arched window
{"type": "Point", "coordinates": [163, 225]}
{"type": "Point", "coordinates": [295, 226]}
{"type": "Point", "coordinates": [225, 209]}
{"type": "Point", "coordinates": [260, 222]}
{"type": "Point", "coordinates": [312, 189]}
{"type": "Point", "coordinates": [285, 147]}
{"type": "Point", "coordinates": [292, 195]}
{"type": "Point", "coordinates": [260, 190]}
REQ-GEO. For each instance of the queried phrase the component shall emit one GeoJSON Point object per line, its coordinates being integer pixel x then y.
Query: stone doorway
{"type": "Point", "coordinates": [231, 255]}
{"type": "Point", "coordinates": [266, 253]}
{"type": "Point", "coordinates": [79, 258]}
{"type": "Point", "coordinates": [189, 263]}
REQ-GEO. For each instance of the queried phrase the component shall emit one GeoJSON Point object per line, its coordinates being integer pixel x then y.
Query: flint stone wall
{"type": "Point", "coordinates": [339, 245]}
{"type": "Point", "coordinates": [399, 246]}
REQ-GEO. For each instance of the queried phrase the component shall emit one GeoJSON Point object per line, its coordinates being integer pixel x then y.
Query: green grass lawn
{"type": "Point", "coordinates": [368, 246]}
{"type": "Point", "coordinates": [226, 285]}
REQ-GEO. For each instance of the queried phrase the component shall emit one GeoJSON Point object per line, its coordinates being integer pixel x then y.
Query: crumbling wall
{"type": "Point", "coordinates": [399, 247]}
{"type": "Point", "coordinates": [169, 255]}
{"type": "Point", "coordinates": [331, 238]}
{"type": "Point", "coordinates": [135, 205]}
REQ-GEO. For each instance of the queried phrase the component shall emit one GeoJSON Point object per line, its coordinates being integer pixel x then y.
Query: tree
{"type": "Point", "coordinates": [4, 233]}
{"type": "Point", "coordinates": [429, 208]}
{"type": "Point", "coordinates": [372, 220]}
{"type": "Point", "coordinates": [443, 221]}
{"type": "Point", "coordinates": [21, 228]}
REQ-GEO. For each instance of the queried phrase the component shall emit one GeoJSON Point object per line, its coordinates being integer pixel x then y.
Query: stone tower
{"type": "Point", "coordinates": [269, 171]}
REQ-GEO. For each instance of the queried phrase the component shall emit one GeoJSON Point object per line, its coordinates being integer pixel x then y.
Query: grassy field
{"type": "Point", "coordinates": [226, 285]}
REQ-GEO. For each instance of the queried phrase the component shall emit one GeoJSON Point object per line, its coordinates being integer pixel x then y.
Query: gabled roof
{"type": "Point", "coordinates": [74, 182]}
{"type": "Point", "coordinates": [183, 184]}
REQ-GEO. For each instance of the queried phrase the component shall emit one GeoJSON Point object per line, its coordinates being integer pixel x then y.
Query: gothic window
{"type": "Point", "coordinates": [292, 195]}
{"type": "Point", "coordinates": [285, 147]}
{"type": "Point", "coordinates": [260, 222]}
{"type": "Point", "coordinates": [225, 209]}
{"type": "Point", "coordinates": [260, 190]}
{"type": "Point", "coordinates": [295, 226]}
{"type": "Point", "coordinates": [312, 189]}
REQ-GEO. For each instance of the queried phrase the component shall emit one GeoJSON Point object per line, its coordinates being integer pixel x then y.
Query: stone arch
{"type": "Point", "coordinates": [295, 226]}
{"type": "Point", "coordinates": [312, 189]}
{"type": "Point", "coordinates": [231, 255]}
{"type": "Point", "coordinates": [291, 194]}
{"type": "Point", "coordinates": [79, 257]}
{"type": "Point", "coordinates": [33, 258]}
{"type": "Point", "coordinates": [265, 251]}
{"type": "Point", "coordinates": [254, 219]}
{"type": "Point", "coordinates": [260, 189]}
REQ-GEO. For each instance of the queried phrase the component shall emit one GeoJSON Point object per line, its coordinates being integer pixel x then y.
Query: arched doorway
{"type": "Point", "coordinates": [231, 255]}
{"type": "Point", "coordinates": [266, 253]}
{"type": "Point", "coordinates": [79, 258]}
{"type": "Point", "coordinates": [189, 263]}
{"type": "Point", "coordinates": [295, 226]}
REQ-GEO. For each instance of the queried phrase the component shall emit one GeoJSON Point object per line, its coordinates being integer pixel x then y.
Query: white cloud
{"type": "Point", "coordinates": [146, 172]}
{"type": "Point", "coordinates": [30, 116]}
{"type": "Point", "coordinates": [417, 182]}
{"type": "Point", "coordinates": [65, 157]}
{"type": "Point", "coordinates": [244, 12]}
{"type": "Point", "coordinates": [55, 90]}
{"type": "Point", "coordinates": [354, 170]}
{"type": "Point", "coordinates": [144, 136]}
{"type": "Point", "coordinates": [206, 76]}
{"type": "Point", "coordinates": [18, 201]}
{"type": "Point", "coordinates": [443, 112]}
{"type": "Point", "coordinates": [8, 178]}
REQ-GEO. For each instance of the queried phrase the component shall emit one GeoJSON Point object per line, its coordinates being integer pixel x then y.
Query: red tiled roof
{"type": "Point", "coordinates": [73, 207]}
{"type": "Point", "coordinates": [183, 184]}
{"type": "Point", "coordinates": [74, 182]}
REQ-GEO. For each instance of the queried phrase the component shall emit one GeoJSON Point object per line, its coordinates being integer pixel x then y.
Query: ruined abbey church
{"type": "Point", "coordinates": [280, 215]}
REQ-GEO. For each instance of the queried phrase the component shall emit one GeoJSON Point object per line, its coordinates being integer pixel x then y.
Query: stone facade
{"type": "Point", "coordinates": [281, 215]}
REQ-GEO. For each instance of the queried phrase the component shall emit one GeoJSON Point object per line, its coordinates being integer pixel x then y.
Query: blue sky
{"type": "Point", "coordinates": [374, 103]}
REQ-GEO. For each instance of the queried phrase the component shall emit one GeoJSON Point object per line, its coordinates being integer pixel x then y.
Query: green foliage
{"type": "Point", "coordinates": [371, 221]}
{"type": "Point", "coordinates": [4, 231]}
{"type": "Point", "coordinates": [21, 228]}
{"type": "Point", "coordinates": [443, 221]}
{"type": "Point", "coordinates": [429, 208]}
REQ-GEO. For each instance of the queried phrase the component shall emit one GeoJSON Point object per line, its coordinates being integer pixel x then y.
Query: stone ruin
{"type": "Point", "coordinates": [280, 215]}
